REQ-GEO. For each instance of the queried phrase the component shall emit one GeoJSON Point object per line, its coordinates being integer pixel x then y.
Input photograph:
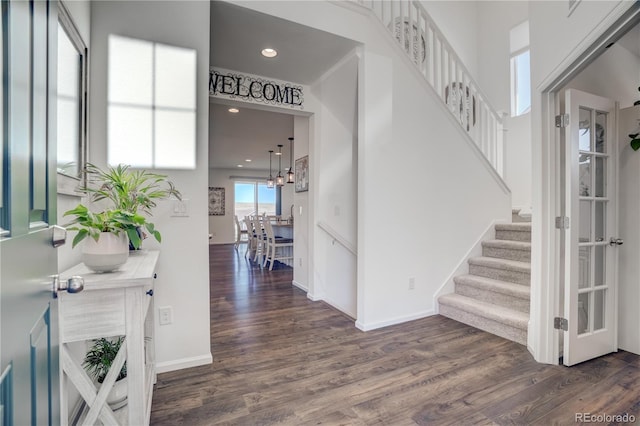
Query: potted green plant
{"type": "Point", "coordinates": [98, 362]}
{"type": "Point", "coordinates": [130, 195]}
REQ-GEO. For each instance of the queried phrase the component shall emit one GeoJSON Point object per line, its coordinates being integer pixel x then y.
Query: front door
{"type": "Point", "coordinates": [29, 388]}
{"type": "Point", "coordinates": [591, 241]}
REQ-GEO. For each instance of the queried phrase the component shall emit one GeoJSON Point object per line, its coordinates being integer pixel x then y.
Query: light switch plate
{"type": "Point", "coordinates": [180, 208]}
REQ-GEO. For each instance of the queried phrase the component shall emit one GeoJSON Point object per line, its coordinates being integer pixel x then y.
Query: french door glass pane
{"type": "Point", "coordinates": [583, 313]}
{"type": "Point", "coordinates": [600, 133]}
{"type": "Point", "coordinates": [584, 135]}
{"type": "Point", "coordinates": [599, 309]}
{"type": "Point", "coordinates": [585, 175]}
{"type": "Point", "coordinates": [601, 177]}
{"type": "Point", "coordinates": [599, 265]}
{"type": "Point", "coordinates": [600, 221]}
{"type": "Point", "coordinates": [584, 267]}
{"type": "Point", "coordinates": [585, 221]}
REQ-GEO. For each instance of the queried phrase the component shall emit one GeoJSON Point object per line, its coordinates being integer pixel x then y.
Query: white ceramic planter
{"type": "Point", "coordinates": [117, 397]}
{"type": "Point", "coordinates": [108, 253]}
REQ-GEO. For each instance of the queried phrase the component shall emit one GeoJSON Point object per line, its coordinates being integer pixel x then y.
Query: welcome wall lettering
{"type": "Point", "coordinates": [254, 89]}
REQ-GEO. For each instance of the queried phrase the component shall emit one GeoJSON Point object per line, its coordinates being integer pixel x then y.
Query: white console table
{"type": "Point", "coordinates": [118, 303]}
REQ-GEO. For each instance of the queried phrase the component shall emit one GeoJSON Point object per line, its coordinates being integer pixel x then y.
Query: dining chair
{"type": "Point", "coordinates": [278, 248]}
{"type": "Point", "coordinates": [240, 233]}
{"type": "Point", "coordinates": [260, 237]}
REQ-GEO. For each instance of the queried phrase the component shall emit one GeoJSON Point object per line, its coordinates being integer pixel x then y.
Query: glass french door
{"type": "Point", "coordinates": [29, 377]}
{"type": "Point", "coordinates": [591, 241]}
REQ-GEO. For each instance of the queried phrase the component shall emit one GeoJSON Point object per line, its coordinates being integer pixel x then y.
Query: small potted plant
{"type": "Point", "coordinates": [98, 362]}
{"type": "Point", "coordinates": [130, 197]}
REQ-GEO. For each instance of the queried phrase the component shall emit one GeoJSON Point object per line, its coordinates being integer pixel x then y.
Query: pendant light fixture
{"type": "Point", "coordinates": [290, 172]}
{"type": "Point", "coordinates": [279, 178]}
{"type": "Point", "coordinates": [270, 183]}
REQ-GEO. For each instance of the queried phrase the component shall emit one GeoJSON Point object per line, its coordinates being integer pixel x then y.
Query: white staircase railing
{"type": "Point", "coordinates": [413, 28]}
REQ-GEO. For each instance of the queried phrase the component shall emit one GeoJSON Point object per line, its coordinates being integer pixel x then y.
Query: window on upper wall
{"type": "Point", "coordinates": [152, 104]}
{"type": "Point", "coordinates": [71, 102]}
{"type": "Point", "coordinates": [520, 70]}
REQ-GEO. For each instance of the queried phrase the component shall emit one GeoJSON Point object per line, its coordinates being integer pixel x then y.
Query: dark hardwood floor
{"type": "Point", "coordinates": [279, 358]}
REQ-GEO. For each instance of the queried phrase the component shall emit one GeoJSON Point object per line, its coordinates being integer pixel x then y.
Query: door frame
{"type": "Point", "coordinates": [546, 263]}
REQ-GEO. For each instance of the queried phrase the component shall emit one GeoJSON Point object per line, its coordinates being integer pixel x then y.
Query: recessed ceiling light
{"type": "Point", "coordinates": [269, 52]}
{"type": "Point", "coordinates": [248, 160]}
{"type": "Point", "coordinates": [234, 110]}
{"type": "Point", "coordinates": [240, 165]}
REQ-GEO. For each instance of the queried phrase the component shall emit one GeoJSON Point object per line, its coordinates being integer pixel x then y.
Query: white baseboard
{"type": "Point", "coordinates": [179, 364]}
{"type": "Point", "coordinates": [300, 285]}
{"type": "Point", "coordinates": [313, 297]}
{"type": "Point", "coordinates": [394, 321]}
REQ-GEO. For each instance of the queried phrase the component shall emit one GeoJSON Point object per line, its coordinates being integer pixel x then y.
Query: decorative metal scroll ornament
{"type": "Point", "coordinates": [458, 99]}
{"type": "Point", "coordinates": [418, 56]}
{"type": "Point", "coordinates": [232, 85]}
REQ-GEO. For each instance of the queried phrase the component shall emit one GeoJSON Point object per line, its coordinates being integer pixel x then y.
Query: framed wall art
{"type": "Point", "coordinates": [216, 201]}
{"type": "Point", "coordinates": [302, 174]}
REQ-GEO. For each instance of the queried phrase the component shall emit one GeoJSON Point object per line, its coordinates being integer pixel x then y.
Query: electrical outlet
{"type": "Point", "coordinates": [165, 315]}
{"type": "Point", "coordinates": [299, 261]}
{"type": "Point", "coordinates": [412, 283]}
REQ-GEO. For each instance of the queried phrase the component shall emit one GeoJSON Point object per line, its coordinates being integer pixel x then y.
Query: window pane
{"type": "Point", "coordinates": [129, 135]}
{"type": "Point", "coordinates": [130, 71]}
{"type": "Point", "coordinates": [175, 77]}
{"type": "Point", "coordinates": [266, 199]}
{"type": "Point", "coordinates": [175, 139]}
{"type": "Point", "coordinates": [244, 199]}
{"type": "Point", "coordinates": [523, 84]}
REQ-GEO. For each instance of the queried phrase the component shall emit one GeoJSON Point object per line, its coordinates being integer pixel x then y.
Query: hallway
{"type": "Point", "coordinates": [279, 358]}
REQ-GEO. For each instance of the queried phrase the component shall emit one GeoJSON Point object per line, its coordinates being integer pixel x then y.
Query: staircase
{"type": "Point", "coordinates": [494, 297]}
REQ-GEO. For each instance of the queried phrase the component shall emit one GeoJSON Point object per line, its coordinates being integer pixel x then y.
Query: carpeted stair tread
{"type": "Point", "coordinates": [508, 244]}
{"type": "Point", "coordinates": [504, 264]}
{"type": "Point", "coordinates": [517, 226]}
{"type": "Point", "coordinates": [489, 311]}
{"type": "Point", "coordinates": [488, 284]}
{"type": "Point", "coordinates": [507, 249]}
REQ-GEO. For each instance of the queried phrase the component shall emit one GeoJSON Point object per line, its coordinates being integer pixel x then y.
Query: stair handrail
{"type": "Point", "coordinates": [335, 235]}
{"type": "Point", "coordinates": [408, 22]}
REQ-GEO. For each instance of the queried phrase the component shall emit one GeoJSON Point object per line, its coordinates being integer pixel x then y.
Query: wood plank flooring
{"type": "Point", "coordinates": [279, 358]}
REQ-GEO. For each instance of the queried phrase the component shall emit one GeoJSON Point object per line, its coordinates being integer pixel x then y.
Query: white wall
{"type": "Point", "coordinates": [458, 21]}
{"type": "Point", "coordinates": [495, 21]}
{"type": "Point", "coordinates": [556, 40]}
{"type": "Point", "coordinates": [336, 167]}
{"type": "Point", "coordinates": [613, 75]}
{"type": "Point", "coordinates": [629, 230]}
{"type": "Point", "coordinates": [411, 158]}
{"type": "Point", "coordinates": [302, 129]}
{"type": "Point", "coordinates": [183, 271]}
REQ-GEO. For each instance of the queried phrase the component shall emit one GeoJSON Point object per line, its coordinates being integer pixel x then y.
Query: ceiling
{"type": "Point", "coordinates": [238, 35]}
{"type": "Point", "coordinates": [631, 41]}
{"type": "Point", "coordinates": [304, 54]}
{"type": "Point", "coordinates": [248, 134]}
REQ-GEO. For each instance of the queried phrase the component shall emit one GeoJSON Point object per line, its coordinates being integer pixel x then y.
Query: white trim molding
{"type": "Point", "coordinates": [179, 364]}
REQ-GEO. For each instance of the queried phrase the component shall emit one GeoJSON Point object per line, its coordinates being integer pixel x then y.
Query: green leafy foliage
{"type": "Point", "coordinates": [100, 357]}
{"type": "Point", "coordinates": [132, 195]}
